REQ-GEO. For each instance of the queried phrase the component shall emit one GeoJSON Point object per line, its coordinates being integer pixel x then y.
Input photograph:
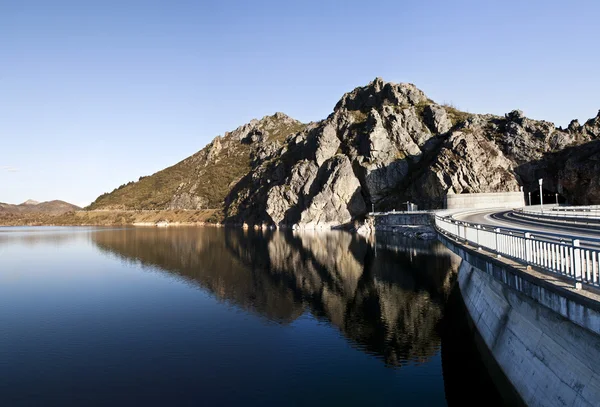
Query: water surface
{"type": "Point", "coordinates": [202, 316]}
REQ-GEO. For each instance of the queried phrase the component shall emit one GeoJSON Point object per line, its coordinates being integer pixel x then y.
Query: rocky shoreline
{"type": "Point", "coordinates": [365, 228]}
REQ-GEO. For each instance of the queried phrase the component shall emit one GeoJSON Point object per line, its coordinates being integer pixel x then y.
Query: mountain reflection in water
{"type": "Point", "coordinates": [387, 296]}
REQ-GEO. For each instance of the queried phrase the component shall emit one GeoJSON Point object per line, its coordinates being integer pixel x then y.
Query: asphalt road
{"type": "Point", "coordinates": [507, 219]}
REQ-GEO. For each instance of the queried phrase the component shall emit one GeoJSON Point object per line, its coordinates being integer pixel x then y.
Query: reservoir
{"type": "Point", "coordinates": [213, 316]}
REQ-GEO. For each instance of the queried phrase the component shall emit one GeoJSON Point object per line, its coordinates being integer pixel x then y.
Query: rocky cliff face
{"type": "Point", "coordinates": [383, 144]}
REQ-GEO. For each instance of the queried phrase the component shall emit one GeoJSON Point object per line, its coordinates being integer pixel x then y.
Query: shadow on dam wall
{"type": "Point", "coordinates": [471, 375]}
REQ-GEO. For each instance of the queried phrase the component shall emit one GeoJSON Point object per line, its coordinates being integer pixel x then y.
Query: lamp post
{"type": "Point", "coordinates": [529, 198]}
{"type": "Point", "coordinates": [521, 189]}
{"type": "Point", "coordinates": [556, 199]}
{"type": "Point", "coordinates": [540, 181]}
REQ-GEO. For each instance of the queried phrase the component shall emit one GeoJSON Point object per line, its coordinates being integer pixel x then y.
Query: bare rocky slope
{"type": "Point", "coordinates": [383, 144]}
{"type": "Point", "coordinates": [203, 180]}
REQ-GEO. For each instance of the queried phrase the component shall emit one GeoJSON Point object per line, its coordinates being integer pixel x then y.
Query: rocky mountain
{"type": "Point", "coordinates": [383, 144]}
{"type": "Point", "coordinates": [30, 206]}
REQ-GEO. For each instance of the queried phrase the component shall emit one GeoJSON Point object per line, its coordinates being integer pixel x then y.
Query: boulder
{"type": "Point", "coordinates": [281, 199]}
{"type": "Point", "coordinates": [437, 119]}
{"type": "Point", "coordinates": [187, 200]}
{"type": "Point", "coordinates": [338, 199]}
{"type": "Point", "coordinates": [327, 144]}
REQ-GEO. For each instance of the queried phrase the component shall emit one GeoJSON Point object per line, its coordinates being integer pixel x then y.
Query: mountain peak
{"type": "Point", "coordinates": [378, 92]}
{"type": "Point", "coordinates": [30, 202]}
{"type": "Point", "coordinates": [278, 117]}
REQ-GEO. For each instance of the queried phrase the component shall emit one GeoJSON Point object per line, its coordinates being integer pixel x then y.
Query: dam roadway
{"type": "Point", "coordinates": [531, 288]}
{"type": "Point", "coordinates": [511, 219]}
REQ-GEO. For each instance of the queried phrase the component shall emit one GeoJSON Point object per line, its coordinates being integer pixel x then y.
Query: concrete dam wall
{"type": "Point", "coordinates": [404, 218]}
{"type": "Point", "coordinates": [409, 224]}
{"type": "Point", "coordinates": [545, 339]}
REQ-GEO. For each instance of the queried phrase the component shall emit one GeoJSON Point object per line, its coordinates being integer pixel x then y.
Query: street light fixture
{"type": "Point", "coordinates": [556, 199]}
{"type": "Point", "coordinates": [540, 181]}
{"type": "Point", "coordinates": [529, 198]}
{"type": "Point", "coordinates": [521, 189]}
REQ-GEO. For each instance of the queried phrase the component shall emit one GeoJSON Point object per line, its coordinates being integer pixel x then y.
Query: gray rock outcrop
{"type": "Point", "coordinates": [338, 200]}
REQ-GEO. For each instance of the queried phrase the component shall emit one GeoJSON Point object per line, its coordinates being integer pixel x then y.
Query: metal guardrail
{"type": "Point", "coordinates": [417, 212]}
{"type": "Point", "coordinates": [584, 208]}
{"type": "Point", "coordinates": [588, 215]}
{"type": "Point", "coordinates": [578, 259]}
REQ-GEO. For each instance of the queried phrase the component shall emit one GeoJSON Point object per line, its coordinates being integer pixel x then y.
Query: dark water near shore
{"type": "Point", "coordinates": [193, 316]}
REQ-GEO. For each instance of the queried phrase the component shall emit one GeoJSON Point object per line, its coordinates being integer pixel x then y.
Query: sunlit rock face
{"type": "Point", "coordinates": [391, 143]}
{"type": "Point", "coordinates": [387, 297]}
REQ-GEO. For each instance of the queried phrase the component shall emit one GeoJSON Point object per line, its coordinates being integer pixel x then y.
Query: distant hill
{"type": "Point", "coordinates": [55, 207]}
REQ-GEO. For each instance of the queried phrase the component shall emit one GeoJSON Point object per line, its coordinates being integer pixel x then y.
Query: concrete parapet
{"type": "Point", "coordinates": [485, 200]}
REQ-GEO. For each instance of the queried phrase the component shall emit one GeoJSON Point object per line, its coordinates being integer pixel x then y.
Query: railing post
{"type": "Point", "coordinates": [496, 232]}
{"type": "Point", "coordinates": [528, 249]}
{"type": "Point", "coordinates": [577, 263]}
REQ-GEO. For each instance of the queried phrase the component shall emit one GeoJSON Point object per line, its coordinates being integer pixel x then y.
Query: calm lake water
{"type": "Point", "coordinates": [203, 316]}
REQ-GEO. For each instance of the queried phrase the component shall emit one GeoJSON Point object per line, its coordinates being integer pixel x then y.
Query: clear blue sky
{"type": "Point", "coordinates": [94, 94]}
